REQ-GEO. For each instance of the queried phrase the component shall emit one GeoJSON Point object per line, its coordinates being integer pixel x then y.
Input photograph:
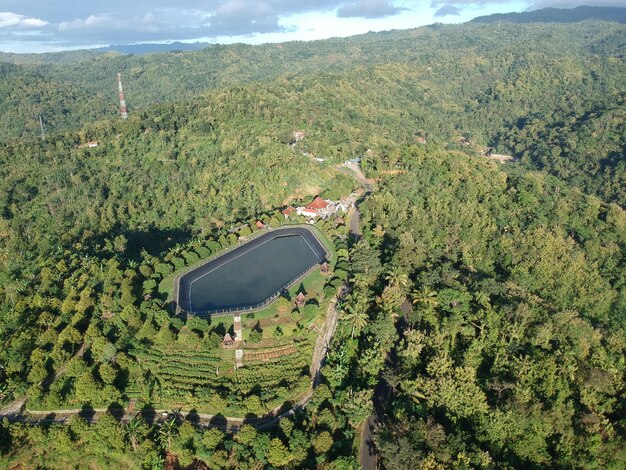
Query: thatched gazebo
{"type": "Point", "coordinates": [228, 340]}
{"type": "Point", "coordinates": [324, 268]}
{"type": "Point", "coordinates": [300, 300]}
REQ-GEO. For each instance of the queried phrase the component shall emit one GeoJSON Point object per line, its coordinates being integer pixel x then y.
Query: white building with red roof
{"type": "Point", "coordinates": [319, 208]}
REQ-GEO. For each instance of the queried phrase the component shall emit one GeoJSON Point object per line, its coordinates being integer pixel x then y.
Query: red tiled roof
{"type": "Point", "coordinates": [317, 204]}
{"type": "Point", "coordinates": [260, 224]}
{"type": "Point", "coordinates": [289, 210]}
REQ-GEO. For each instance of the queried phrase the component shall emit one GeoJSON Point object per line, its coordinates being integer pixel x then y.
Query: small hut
{"type": "Point", "coordinates": [228, 340]}
{"type": "Point", "coordinates": [300, 300]}
{"type": "Point", "coordinates": [325, 268]}
{"type": "Point", "coordinates": [260, 225]}
{"type": "Point", "coordinates": [287, 212]}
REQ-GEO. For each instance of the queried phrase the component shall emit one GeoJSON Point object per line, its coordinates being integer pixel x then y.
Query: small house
{"type": "Point", "coordinates": [92, 143]}
{"type": "Point", "coordinates": [300, 300]}
{"type": "Point", "coordinates": [287, 212]}
{"type": "Point", "coordinates": [324, 268]}
{"type": "Point", "coordinates": [259, 224]}
{"type": "Point", "coordinates": [228, 340]}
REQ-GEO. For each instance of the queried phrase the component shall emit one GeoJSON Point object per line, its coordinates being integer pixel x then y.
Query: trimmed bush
{"type": "Point", "coordinates": [191, 257]}
{"type": "Point", "coordinates": [164, 268]}
{"type": "Point", "coordinates": [213, 246]}
{"type": "Point", "coordinates": [203, 252]}
{"type": "Point", "coordinates": [329, 291]}
{"type": "Point", "coordinates": [178, 263]}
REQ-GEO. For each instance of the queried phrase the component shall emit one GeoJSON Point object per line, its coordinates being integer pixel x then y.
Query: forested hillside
{"type": "Point", "coordinates": [513, 352]}
{"type": "Point", "coordinates": [486, 301]}
{"type": "Point", "coordinates": [473, 80]}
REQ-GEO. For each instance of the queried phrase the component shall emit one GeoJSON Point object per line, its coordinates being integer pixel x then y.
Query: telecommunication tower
{"type": "Point", "coordinates": [123, 110]}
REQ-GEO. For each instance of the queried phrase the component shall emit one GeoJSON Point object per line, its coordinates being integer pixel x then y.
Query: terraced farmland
{"type": "Point", "coordinates": [208, 380]}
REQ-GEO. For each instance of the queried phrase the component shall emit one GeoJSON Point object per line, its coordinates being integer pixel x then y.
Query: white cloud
{"type": "Point", "coordinates": [368, 9]}
{"type": "Point", "coordinates": [13, 20]}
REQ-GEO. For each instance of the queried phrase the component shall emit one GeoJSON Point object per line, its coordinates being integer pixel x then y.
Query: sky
{"type": "Point", "coordinates": [54, 25]}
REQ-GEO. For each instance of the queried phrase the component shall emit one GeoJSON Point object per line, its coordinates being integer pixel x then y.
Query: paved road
{"type": "Point", "coordinates": [355, 223]}
{"type": "Point", "coordinates": [368, 457]}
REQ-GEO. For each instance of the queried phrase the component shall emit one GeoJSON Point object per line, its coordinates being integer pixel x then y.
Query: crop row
{"type": "Point", "coordinates": [191, 355]}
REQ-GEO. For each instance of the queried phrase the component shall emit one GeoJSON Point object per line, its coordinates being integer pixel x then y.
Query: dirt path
{"type": "Point", "coordinates": [325, 336]}
{"type": "Point", "coordinates": [355, 169]}
{"type": "Point", "coordinates": [16, 407]}
{"type": "Point", "coordinates": [13, 408]}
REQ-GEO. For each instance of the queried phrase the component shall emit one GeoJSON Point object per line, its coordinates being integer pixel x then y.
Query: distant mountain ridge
{"type": "Point", "coordinates": [558, 15]}
{"type": "Point", "coordinates": [150, 48]}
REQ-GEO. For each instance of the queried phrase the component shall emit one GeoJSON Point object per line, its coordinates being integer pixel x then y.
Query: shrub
{"type": "Point", "coordinates": [191, 257]}
{"type": "Point", "coordinates": [145, 270]}
{"type": "Point", "coordinates": [164, 268]}
{"type": "Point", "coordinates": [256, 336]}
{"type": "Point", "coordinates": [203, 251]}
{"type": "Point", "coordinates": [178, 263]}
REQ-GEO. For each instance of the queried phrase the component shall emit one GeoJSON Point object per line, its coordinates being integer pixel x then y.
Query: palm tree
{"type": "Point", "coordinates": [136, 431]}
{"type": "Point", "coordinates": [425, 296]}
{"type": "Point", "coordinates": [397, 277]}
{"type": "Point", "coordinates": [482, 299]}
{"type": "Point", "coordinates": [356, 313]}
{"type": "Point", "coordinates": [167, 431]}
{"type": "Point", "coordinates": [361, 282]}
{"type": "Point", "coordinates": [389, 310]}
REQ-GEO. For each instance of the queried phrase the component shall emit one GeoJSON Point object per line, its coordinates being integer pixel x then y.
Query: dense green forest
{"type": "Point", "coordinates": [487, 300]}
{"type": "Point", "coordinates": [473, 80]}
{"type": "Point", "coordinates": [514, 350]}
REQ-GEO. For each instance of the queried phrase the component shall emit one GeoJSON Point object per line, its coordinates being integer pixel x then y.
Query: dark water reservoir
{"type": "Point", "coordinates": [251, 273]}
